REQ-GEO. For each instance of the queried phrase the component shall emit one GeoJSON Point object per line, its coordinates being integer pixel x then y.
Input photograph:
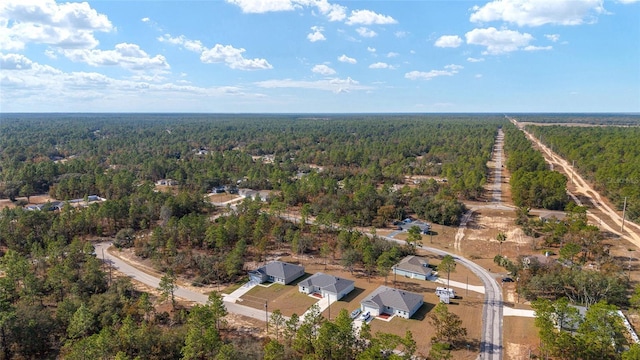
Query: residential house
{"type": "Point", "coordinates": [167, 182]}
{"type": "Point", "coordinates": [386, 300]}
{"type": "Point", "coordinates": [327, 285]}
{"type": "Point", "coordinates": [414, 267]}
{"type": "Point", "coordinates": [278, 272]}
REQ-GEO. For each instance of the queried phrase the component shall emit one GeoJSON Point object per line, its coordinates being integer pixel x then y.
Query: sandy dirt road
{"type": "Point", "coordinates": [607, 218]}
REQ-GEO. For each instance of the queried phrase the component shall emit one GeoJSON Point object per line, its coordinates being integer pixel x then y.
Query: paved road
{"type": "Point", "coordinates": [491, 342]}
{"type": "Point", "coordinates": [150, 280]}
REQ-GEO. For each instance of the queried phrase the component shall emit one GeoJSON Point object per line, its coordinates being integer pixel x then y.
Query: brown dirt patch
{"type": "Point", "coordinates": [519, 337]}
{"type": "Point", "coordinates": [33, 200]}
{"type": "Point", "coordinates": [220, 198]}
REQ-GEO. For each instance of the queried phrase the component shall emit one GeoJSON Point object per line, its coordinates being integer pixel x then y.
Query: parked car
{"type": "Point", "coordinates": [366, 316]}
{"type": "Point", "coordinates": [507, 279]}
{"type": "Point", "coordinates": [355, 313]}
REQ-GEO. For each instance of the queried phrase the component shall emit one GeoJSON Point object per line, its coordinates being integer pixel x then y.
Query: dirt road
{"type": "Point", "coordinates": [610, 219]}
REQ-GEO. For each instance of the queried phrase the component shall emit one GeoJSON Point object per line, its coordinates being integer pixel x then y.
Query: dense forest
{"type": "Point", "coordinates": [532, 183]}
{"type": "Point", "coordinates": [609, 157]}
{"type": "Point", "coordinates": [56, 297]}
{"type": "Point", "coordinates": [591, 119]}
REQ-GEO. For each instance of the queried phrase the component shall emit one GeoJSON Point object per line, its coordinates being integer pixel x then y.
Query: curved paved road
{"type": "Point", "coordinates": [491, 342]}
{"type": "Point", "coordinates": [184, 293]}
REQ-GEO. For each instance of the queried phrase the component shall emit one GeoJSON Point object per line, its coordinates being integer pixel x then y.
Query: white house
{"type": "Point", "coordinates": [413, 267]}
{"type": "Point", "coordinates": [327, 285]}
{"type": "Point", "coordinates": [277, 271]}
{"type": "Point", "coordinates": [386, 300]}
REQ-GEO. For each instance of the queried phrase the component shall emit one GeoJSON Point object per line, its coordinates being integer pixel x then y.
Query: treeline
{"type": "Point", "coordinates": [593, 119]}
{"type": "Point", "coordinates": [362, 159]}
{"type": "Point", "coordinates": [532, 183]}
{"type": "Point", "coordinates": [609, 157]}
{"type": "Point", "coordinates": [595, 333]}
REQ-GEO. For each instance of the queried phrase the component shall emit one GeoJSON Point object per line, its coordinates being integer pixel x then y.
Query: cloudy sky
{"type": "Point", "coordinates": [320, 56]}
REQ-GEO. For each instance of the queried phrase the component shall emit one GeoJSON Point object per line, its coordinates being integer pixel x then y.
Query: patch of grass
{"type": "Point", "coordinates": [231, 288]}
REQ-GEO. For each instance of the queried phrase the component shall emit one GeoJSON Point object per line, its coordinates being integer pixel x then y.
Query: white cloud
{"type": "Point", "coordinates": [68, 25]}
{"type": "Point", "coordinates": [473, 60]}
{"type": "Point", "coordinates": [128, 56]}
{"type": "Point", "coordinates": [333, 12]}
{"type": "Point", "coordinates": [316, 35]}
{"type": "Point", "coordinates": [227, 54]}
{"type": "Point", "coordinates": [368, 17]}
{"type": "Point", "coordinates": [400, 34]}
{"type": "Point", "coordinates": [191, 45]}
{"type": "Point", "coordinates": [336, 85]}
{"type": "Point", "coordinates": [232, 57]}
{"type": "Point", "coordinates": [478, 76]}
{"type": "Point", "coordinates": [29, 85]}
{"type": "Point", "coordinates": [50, 54]}
{"type": "Point", "coordinates": [323, 70]}
{"type": "Point", "coordinates": [628, 1]}
{"type": "Point", "coordinates": [392, 54]}
{"type": "Point", "coordinates": [381, 65]}
{"type": "Point", "coordinates": [371, 50]}
{"type": "Point", "coordinates": [553, 37]}
{"type": "Point", "coordinates": [14, 62]}
{"type": "Point", "coordinates": [366, 32]}
{"type": "Point", "coordinates": [345, 59]}
{"type": "Point", "coordinates": [145, 19]}
{"type": "Point", "coordinates": [540, 12]}
{"type": "Point", "coordinates": [448, 41]}
{"type": "Point", "coordinates": [537, 48]}
{"type": "Point", "coordinates": [263, 6]}
{"type": "Point", "coordinates": [450, 70]}
{"type": "Point", "coordinates": [498, 41]}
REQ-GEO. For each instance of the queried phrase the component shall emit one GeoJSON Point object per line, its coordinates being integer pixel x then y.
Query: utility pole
{"type": "Point", "coordinates": [266, 315]}
{"type": "Point", "coordinates": [624, 210]}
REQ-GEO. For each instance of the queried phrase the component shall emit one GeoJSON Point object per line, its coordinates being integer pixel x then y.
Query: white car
{"type": "Point", "coordinates": [355, 313]}
{"type": "Point", "coordinates": [365, 316]}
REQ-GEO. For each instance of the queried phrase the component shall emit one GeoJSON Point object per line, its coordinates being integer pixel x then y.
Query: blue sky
{"type": "Point", "coordinates": [290, 56]}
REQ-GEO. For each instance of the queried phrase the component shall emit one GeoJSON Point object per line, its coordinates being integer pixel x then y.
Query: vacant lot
{"type": "Point", "coordinates": [222, 198]}
{"type": "Point", "coordinates": [521, 339]}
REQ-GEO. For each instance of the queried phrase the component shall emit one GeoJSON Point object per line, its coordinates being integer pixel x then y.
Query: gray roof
{"type": "Point", "coordinates": [393, 298]}
{"type": "Point", "coordinates": [326, 282]}
{"type": "Point", "coordinates": [414, 264]}
{"type": "Point", "coordinates": [281, 270]}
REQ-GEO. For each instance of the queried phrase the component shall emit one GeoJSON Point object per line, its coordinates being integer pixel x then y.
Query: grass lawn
{"type": "Point", "coordinates": [286, 298]}
{"type": "Point", "coordinates": [468, 306]}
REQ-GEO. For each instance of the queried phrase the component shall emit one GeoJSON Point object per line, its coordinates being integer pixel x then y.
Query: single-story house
{"type": "Point", "coordinates": [408, 223]}
{"type": "Point", "coordinates": [386, 300]}
{"type": "Point", "coordinates": [277, 271]}
{"type": "Point", "coordinates": [326, 285]}
{"type": "Point", "coordinates": [414, 267]}
{"type": "Point", "coordinates": [167, 182]}
{"type": "Point", "coordinates": [50, 206]}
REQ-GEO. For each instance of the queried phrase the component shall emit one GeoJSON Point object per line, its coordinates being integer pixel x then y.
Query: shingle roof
{"type": "Point", "coordinates": [281, 270]}
{"type": "Point", "coordinates": [326, 282]}
{"type": "Point", "coordinates": [414, 264]}
{"type": "Point", "coordinates": [394, 298]}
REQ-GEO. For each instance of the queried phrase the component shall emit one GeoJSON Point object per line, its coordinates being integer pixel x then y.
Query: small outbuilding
{"type": "Point", "coordinates": [278, 272]}
{"type": "Point", "coordinates": [326, 285]}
